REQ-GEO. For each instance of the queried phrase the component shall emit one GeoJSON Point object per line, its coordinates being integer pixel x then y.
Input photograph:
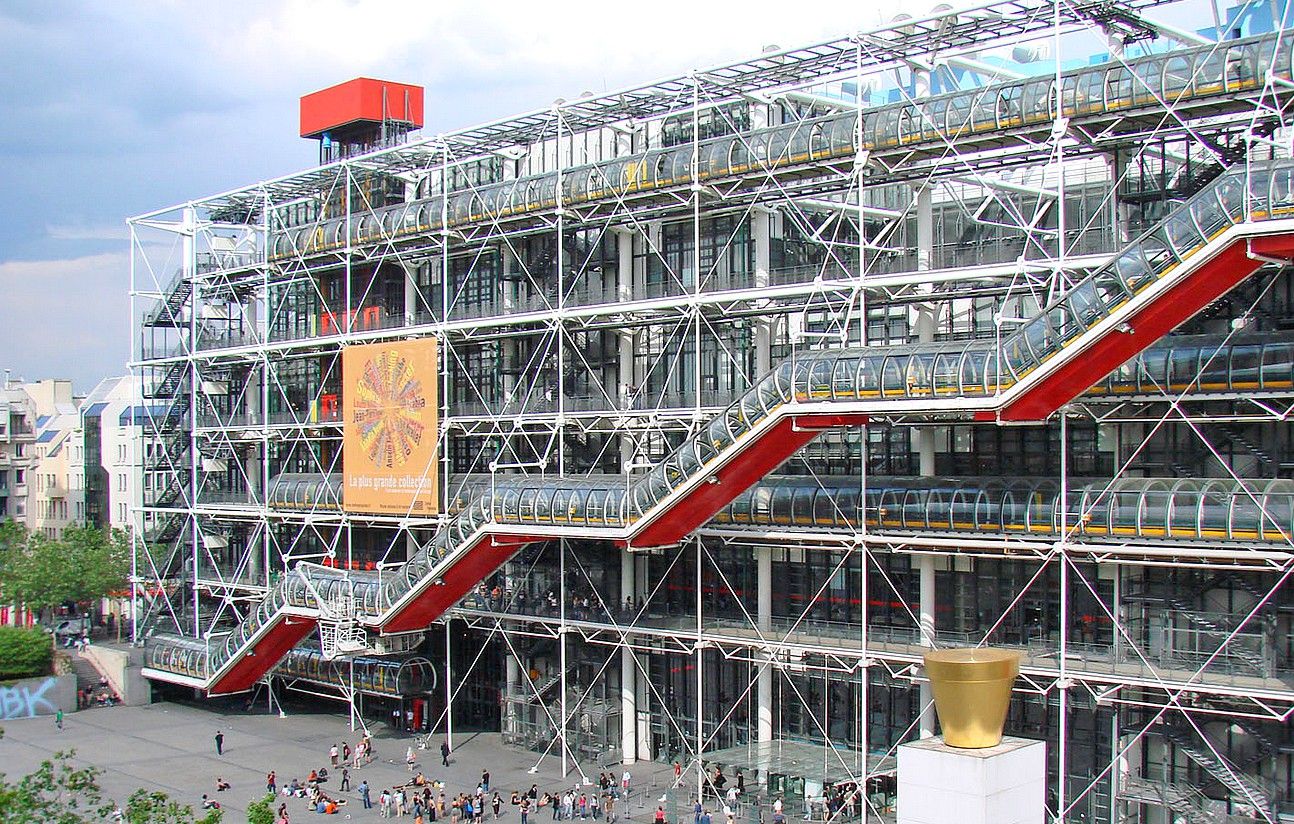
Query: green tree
{"type": "Point", "coordinates": [61, 793]}
{"type": "Point", "coordinates": [41, 573]}
{"type": "Point", "coordinates": [56, 792]}
{"type": "Point", "coordinates": [155, 807]}
{"type": "Point", "coordinates": [24, 653]}
{"type": "Point", "coordinates": [104, 558]}
{"type": "Point", "coordinates": [262, 811]}
{"type": "Point", "coordinates": [13, 544]}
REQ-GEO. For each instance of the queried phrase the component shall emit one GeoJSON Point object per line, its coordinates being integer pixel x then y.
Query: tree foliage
{"type": "Point", "coordinates": [262, 811]}
{"type": "Point", "coordinates": [155, 807]}
{"type": "Point", "coordinates": [61, 793]}
{"type": "Point", "coordinates": [56, 792]}
{"type": "Point", "coordinates": [24, 653]}
{"type": "Point", "coordinates": [41, 573]}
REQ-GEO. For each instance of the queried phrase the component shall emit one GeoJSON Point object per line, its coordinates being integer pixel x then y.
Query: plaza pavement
{"type": "Point", "coordinates": [171, 747]}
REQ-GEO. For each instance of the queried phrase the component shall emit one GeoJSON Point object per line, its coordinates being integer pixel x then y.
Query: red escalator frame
{"type": "Point", "coordinates": [286, 633]}
{"type": "Point", "coordinates": [757, 458]}
{"type": "Point", "coordinates": [482, 558]}
{"type": "Point", "coordinates": [1175, 306]}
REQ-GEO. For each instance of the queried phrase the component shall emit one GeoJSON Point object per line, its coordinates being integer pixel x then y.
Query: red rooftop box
{"type": "Point", "coordinates": [357, 101]}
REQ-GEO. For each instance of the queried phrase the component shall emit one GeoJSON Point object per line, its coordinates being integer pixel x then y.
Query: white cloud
{"type": "Point", "coordinates": [86, 231]}
{"type": "Point", "coordinates": [66, 317]}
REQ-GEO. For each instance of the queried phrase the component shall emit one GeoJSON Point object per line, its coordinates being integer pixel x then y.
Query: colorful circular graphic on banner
{"type": "Point", "coordinates": [389, 406]}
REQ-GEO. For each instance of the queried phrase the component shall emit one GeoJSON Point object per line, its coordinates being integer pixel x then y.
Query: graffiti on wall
{"type": "Point", "coordinates": [27, 700]}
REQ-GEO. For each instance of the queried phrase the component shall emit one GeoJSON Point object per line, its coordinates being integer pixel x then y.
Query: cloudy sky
{"type": "Point", "coordinates": [115, 109]}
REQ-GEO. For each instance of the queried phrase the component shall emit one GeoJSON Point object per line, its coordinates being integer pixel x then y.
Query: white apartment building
{"type": "Point", "coordinates": [56, 480]}
{"type": "Point", "coordinates": [111, 421]}
{"type": "Point", "coordinates": [17, 439]}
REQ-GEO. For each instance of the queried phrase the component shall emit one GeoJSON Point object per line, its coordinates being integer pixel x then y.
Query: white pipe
{"type": "Point", "coordinates": [980, 67]}
{"type": "Point", "coordinates": [818, 100]}
{"type": "Point", "coordinates": [852, 208]}
{"type": "Point", "coordinates": [1004, 186]}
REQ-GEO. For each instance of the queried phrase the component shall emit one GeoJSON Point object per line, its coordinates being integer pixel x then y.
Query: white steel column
{"type": "Point", "coordinates": [700, 678]}
{"type": "Point", "coordinates": [256, 458]}
{"type": "Point", "coordinates": [764, 616]}
{"type": "Point", "coordinates": [628, 670]}
{"type": "Point", "coordinates": [923, 440]}
{"type": "Point", "coordinates": [561, 654]}
{"type": "Point", "coordinates": [625, 340]}
{"type": "Point", "coordinates": [926, 572]}
{"type": "Point", "coordinates": [513, 687]}
{"type": "Point", "coordinates": [449, 690]}
{"type": "Point", "coordinates": [643, 723]}
{"type": "Point", "coordinates": [190, 501]}
{"type": "Point", "coordinates": [410, 294]}
{"type": "Point", "coordinates": [761, 233]}
{"type": "Point", "coordinates": [509, 346]}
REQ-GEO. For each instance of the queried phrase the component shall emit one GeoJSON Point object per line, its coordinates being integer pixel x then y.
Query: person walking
{"type": "Point", "coordinates": [444, 753]}
{"type": "Point", "coordinates": [332, 755]}
{"type": "Point", "coordinates": [345, 779]}
{"type": "Point", "coordinates": [496, 803]}
{"type": "Point", "coordinates": [364, 794]}
{"type": "Point", "coordinates": [485, 781]}
{"type": "Point", "coordinates": [58, 718]}
{"type": "Point", "coordinates": [220, 743]}
{"type": "Point", "coordinates": [271, 783]}
{"type": "Point", "coordinates": [409, 757]}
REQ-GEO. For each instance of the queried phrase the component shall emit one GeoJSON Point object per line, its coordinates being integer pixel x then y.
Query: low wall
{"type": "Point", "coordinates": [34, 697]}
{"type": "Point", "coordinates": [121, 666]}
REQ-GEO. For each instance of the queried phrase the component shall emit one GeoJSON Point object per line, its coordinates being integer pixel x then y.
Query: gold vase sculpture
{"type": "Point", "coordinates": [972, 689]}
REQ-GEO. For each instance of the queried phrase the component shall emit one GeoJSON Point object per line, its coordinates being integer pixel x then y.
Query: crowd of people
{"type": "Point", "coordinates": [342, 760]}
{"type": "Point", "coordinates": [426, 800]}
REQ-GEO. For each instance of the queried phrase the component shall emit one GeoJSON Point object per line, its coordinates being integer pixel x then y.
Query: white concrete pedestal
{"type": "Point", "coordinates": [939, 784]}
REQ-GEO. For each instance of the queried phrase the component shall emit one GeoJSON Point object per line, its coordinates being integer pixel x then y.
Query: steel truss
{"type": "Point", "coordinates": [587, 335]}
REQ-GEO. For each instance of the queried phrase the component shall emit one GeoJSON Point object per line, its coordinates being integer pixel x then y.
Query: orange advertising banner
{"type": "Point", "coordinates": [390, 407]}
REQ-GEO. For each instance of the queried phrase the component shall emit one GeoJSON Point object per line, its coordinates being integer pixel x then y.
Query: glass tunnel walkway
{"type": "Point", "coordinates": [1212, 76]}
{"type": "Point", "coordinates": [1210, 243]}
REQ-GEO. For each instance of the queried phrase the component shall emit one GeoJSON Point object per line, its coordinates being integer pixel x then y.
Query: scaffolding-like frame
{"type": "Point", "coordinates": [203, 274]}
